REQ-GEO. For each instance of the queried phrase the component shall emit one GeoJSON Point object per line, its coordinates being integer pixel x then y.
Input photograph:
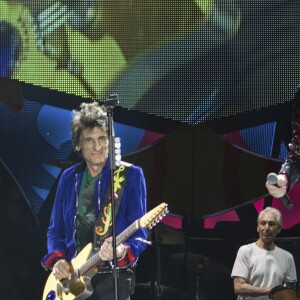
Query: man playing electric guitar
{"type": "Point", "coordinates": [82, 215]}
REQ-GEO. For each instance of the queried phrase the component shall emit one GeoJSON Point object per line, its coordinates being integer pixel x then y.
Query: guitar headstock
{"type": "Point", "coordinates": [154, 216]}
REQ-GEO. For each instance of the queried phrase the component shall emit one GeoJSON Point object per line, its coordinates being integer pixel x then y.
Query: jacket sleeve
{"type": "Point", "coordinates": [56, 230]}
{"type": "Point", "coordinates": [291, 166]}
{"type": "Point", "coordinates": [132, 208]}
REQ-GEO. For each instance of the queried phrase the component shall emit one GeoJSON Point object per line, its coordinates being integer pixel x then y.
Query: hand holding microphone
{"type": "Point", "coordinates": [277, 187]}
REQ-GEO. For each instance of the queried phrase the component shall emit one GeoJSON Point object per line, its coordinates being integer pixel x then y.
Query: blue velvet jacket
{"type": "Point", "coordinates": [61, 232]}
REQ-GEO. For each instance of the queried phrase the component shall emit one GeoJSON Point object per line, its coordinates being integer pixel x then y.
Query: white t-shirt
{"type": "Point", "coordinates": [263, 268]}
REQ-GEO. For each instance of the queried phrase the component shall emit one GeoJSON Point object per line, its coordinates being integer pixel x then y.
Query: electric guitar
{"type": "Point", "coordinates": [47, 35]}
{"type": "Point", "coordinates": [85, 265]}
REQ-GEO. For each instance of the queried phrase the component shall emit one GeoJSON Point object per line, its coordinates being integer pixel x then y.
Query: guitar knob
{"type": "Point", "coordinates": [51, 295]}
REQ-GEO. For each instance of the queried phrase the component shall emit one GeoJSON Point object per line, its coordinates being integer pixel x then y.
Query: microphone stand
{"type": "Point", "coordinates": [187, 229]}
{"type": "Point", "coordinates": [187, 225]}
{"type": "Point", "coordinates": [110, 102]}
{"type": "Point", "coordinates": [156, 283]}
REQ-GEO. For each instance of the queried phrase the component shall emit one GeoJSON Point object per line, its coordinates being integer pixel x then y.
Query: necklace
{"type": "Point", "coordinates": [88, 179]}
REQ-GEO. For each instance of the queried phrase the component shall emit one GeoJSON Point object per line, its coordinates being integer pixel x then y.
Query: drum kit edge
{"type": "Point", "coordinates": [166, 235]}
{"type": "Point", "coordinates": [286, 291]}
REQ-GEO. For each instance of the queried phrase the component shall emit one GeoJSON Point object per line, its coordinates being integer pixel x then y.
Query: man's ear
{"type": "Point", "coordinates": [77, 148]}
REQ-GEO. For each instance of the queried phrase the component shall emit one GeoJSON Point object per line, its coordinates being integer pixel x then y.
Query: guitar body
{"type": "Point", "coordinates": [79, 288]}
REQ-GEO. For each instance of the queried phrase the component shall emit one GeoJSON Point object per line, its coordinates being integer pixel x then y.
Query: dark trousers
{"type": "Point", "coordinates": [103, 286]}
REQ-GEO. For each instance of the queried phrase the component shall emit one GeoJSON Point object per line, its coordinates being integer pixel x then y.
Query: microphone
{"type": "Point", "coordinates": [272, 179]}
{"type": "Point", "coordinates": [111, 101]}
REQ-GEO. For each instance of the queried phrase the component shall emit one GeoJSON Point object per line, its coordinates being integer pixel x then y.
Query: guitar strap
{"type": "Point", "coordinates": [103, 224]}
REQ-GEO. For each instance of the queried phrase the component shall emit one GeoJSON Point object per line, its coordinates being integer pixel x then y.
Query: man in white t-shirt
{"type": "Point", "coordinates": [262, 265]}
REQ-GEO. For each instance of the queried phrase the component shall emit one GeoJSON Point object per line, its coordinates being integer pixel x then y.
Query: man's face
{"type": "Point", "coordinates": [94, 146]}
{"type": "Point", "coordinates": [267, 228]}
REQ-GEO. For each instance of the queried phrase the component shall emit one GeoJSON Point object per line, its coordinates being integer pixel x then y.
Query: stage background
{"type": "Point", "coordinates": [205, 90]}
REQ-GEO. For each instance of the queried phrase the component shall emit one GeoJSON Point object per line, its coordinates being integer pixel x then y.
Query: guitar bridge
{"type": "Point", "coordinates": [64, 287]}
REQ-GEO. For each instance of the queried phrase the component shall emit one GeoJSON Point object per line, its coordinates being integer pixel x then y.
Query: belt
{"type": "Point", "coordinates": [108, 270]}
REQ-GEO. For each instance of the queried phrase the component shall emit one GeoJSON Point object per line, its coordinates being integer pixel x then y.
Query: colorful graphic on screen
{"type": "Point", "coordinates": [192, 60]}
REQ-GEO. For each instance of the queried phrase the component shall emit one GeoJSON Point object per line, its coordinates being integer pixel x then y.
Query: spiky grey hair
{"type": "Point", "coordinates": [90, 115]}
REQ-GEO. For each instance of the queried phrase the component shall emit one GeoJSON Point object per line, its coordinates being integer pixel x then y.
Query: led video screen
{"type": "Point", "coordinates": [188, 60]}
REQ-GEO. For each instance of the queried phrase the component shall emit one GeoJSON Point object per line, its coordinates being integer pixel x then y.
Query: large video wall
{"type": "Point", "coordinates": [191, 60]}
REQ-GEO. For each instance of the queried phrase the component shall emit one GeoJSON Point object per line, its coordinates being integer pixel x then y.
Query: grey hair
{"type": "Point", "coordinates": [273, 211]}
{"type": "Point", "coordinates": [90, 115]}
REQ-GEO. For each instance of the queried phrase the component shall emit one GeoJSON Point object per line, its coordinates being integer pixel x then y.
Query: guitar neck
{"type": "Point", "coordinates": [94, 260]}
